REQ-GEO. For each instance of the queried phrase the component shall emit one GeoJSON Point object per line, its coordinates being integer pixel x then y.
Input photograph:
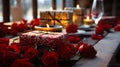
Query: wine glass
{"type": "Point", "coordinates": [97, 10]}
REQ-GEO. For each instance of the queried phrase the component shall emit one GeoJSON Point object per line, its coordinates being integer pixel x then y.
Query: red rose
{"type": "Point", "coordinates": [3, 30]}
{"type": "Point", "coordinates": [118, 21]}
{"type": "Point", "coordinates": [116, 28]}
{"type": "Point", "coordinates": [4, 40]}
{"type": "Point", "coordinates": [35, 22]}
{"type": "Point", "coordinates": [50, 59]}
{"type": "Point", "coordinates": [73, 39]}
{"type": "Point", "coordinates": [107, 26]}
{"type": "Point", "coordinates": [10, 58]}
{"type": "Point", "coordinates": [72, 28]}
{"type": "Point", "coordinates": [3, 51]}
{"type": "Point", "coordinates": [92, 51]}
{"type": "Point", "coordinates": [99, 31]}
{"type": "Point", "coordinates": [66, 51]}
{"type": "Point", "coordinates": [14, 47]}
{"type": "Point", "coordinates": [24, 20]}
{"type": "Point", "coordinates": [15, 26]}
{"type": "Point", "coordinates": [2, 55]}
{"type": "Point", "coordinates": [1, 23]}
{"type": "Point", "coordinates": [31, 53]}
{"type": "Point", "coordinates": [21, 63]}
{"type": "Point", "coordinates": [22, 26]}
{"type": "Point", "coordinates": [96, 37]}
{"type": "Point", "coordinates": [3, 46]}
{"type": "Point", "coordinates": [79, 44]}
{"type": "Point", "coordinates": [60, 44]}
{"type": "Point", "coordinates": [23, 49]}
{"type": "Point", "coordinates": [13, 32]}
{"type": "Point", "coordinates": [87, 51]}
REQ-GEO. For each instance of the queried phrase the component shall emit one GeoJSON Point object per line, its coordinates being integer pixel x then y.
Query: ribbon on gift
{"type": "Point", "coordinates": [53, 17]}
{"type": "Point", "coordinates": [79, 14]}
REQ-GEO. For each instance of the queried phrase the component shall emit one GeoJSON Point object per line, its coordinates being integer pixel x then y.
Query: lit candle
{"type": "Point", "coordinates": [77, 15]}
{"type": "Point", "coordinates": [51, 8]}
{"type": "Point", "coordinates": [47, 26]}
{"type": "Point", "coordinates": [77, 6]}
{"type": "Point", "coordinates": [49, 29]}
{"type": "Point", "coordinates": [88, 21]}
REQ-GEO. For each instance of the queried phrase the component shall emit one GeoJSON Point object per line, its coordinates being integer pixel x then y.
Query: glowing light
{"type": "Point", "coordinates": [47, 25]}
{"type": "Point", "coordinates": [51, 8]}
{"type": "Point", "coordinates": [87, 17]}
{"type": "Point", "coordinates": [77, 6]}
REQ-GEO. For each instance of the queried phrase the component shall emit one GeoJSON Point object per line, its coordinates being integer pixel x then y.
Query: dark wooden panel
{"type": "Point", "coordinates": [35, 8]}
{"type": "Point", "coordinates": [6, 10]}
{"type": "Point", "coordinates": [54, 4]}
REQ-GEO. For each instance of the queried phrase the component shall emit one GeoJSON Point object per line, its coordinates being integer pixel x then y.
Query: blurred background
{"type": "Point", "coordinates": [15, 10]}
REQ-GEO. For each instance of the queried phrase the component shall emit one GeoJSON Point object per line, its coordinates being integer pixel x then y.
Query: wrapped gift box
{"type": "Point", "coordinates": [38, 38]}
{"type": "Point", "coordinates": [55, 17]}
{"type": "Point", "coordinates": [108, 20]}
{"type": "Point", "coordinates": [78, 14]}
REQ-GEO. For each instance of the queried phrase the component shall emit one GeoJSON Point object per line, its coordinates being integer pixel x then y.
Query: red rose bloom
{"type": "Point", "coordinates": [23, 49]}
{"type": "Point", "coordinates": [14, 47]}
{"type": "Point", "coordinates": [3, 30]}
{"type": "Point", "coordinates": [4, 40]}
{"type": "Point", "coordinates": [35, 22]}
{"type": "Point", "coordinates": [116, 28]}
{"type": "Point", "coordinates": [1, 23]}
{"type": "Point", "coordinates": [118, 21]}
{"type": "Point", "coordinates": [99, 31]}
{"type": "Point", "coordinates": [107, 26]}
{"type": "Point", "coordinates": [66, 51]}
{"type": "Point", "coordinates": [15, 26]}
{"type": "Point", "coordinates": [87, 51]}
{"type": "Point", "coordinates": [31, 53]}
{"type": "Point", "coordinates": [10, 58]}
{"type": "Point", "coordinates": [50, 59]}
{"type": "Point", "coordinates": [3, 49]}
{"type": "Point", "coordinates": [24, 20]}
{"type": "Point", "coordinates": [21, 63]}
{"type": "Point", "coordinates": [3, 46]}
{"type": "Point", "coordinates": [79, 44]}
{"type": "Point", "coordinates": [22, 26]}
{"type": "Point", "coordinates": [73, 39]}
{"type": "Point", "coordinates": [13, 32]}
{"type": "Point", "coordinates": [96, 37]}
{"type": "Point", "coordinates": [2, 55]}
{"type": "Point", "coordinates": [72, 28]}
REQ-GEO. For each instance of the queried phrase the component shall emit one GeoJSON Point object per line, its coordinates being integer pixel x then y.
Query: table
{"type": "Point", "coordinates": [105, 50]}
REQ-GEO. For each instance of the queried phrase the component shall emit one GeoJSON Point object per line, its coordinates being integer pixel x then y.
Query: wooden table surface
{"type": "Point", "coordinates": [105, 50]}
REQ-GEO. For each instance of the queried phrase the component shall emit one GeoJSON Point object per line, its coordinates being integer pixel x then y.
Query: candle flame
{"type": "Point", "coordinates": [77, 6]}
{"type": "Point", "coordinates": [47, 25]}
{"type": "Point", "coordinates": [51, 8]}
{"type": "Point", "coordinates": [88, 18]}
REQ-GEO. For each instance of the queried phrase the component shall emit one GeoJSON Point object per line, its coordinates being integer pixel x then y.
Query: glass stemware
{"type": "Point", "coordinates": [97, 10]}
